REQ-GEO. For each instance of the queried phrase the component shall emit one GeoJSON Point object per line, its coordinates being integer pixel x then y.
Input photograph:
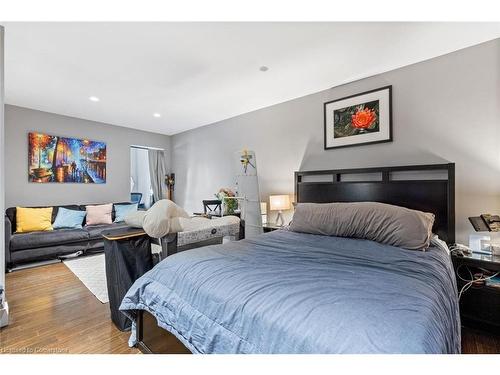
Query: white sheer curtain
{"type": "Point", "coordinates": [139, 173]}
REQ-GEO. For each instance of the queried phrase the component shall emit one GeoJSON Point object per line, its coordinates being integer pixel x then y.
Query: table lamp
{"type": "Point", "coordinates": [279, 203]}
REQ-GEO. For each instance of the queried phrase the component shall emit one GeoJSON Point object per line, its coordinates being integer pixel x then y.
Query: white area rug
{"type": "Point", "coordinates": [91, 271]}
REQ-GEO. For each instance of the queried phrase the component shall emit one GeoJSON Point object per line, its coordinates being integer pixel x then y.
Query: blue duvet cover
{"type": "Point", "coordinates": [286, 292]}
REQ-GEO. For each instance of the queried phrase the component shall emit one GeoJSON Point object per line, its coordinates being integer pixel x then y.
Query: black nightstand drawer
{"type": "Point", "coordinates": [479, 305]}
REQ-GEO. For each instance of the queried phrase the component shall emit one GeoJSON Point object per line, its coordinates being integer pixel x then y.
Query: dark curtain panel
{"type": "Point", "coordinates": [157, 171]}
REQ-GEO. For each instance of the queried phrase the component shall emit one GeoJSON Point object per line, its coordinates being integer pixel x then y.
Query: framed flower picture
{"type": "Point", "coordinates": [359, 119]}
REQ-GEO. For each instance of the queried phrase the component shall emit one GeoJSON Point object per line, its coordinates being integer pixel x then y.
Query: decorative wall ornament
{"type": "Point", "coordinates": [59, 159]}
{"type": "Point", "coordinates": [359, 119]}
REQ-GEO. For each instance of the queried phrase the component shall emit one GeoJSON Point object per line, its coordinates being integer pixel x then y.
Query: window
{"type": "Point", "coordinates": [140, 181]}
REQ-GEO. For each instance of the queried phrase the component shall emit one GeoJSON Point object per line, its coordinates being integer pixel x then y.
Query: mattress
{"type": "Point", "coordinates": [286, 292]}
{"type": "Point", "coordinates": [199, 229]}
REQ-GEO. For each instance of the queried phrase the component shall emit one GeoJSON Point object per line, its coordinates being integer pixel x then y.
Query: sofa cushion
{"type": "Point", "coordinates": [11, 212]}
{"type": "Point", "coordinates": [122, 210]}
{"type": "Point", "coordinates": [72, 219]}
{"type": "Point", "coordinates": [21, 241]}
{"type": "Point", "coordinates": [113, 213]}
{"type": "Point", "coordinates": [33, 219]}
{"type": "Point", "coordinates": [95, 231]}
{"type": "Point", "coordinates": [100, 214]}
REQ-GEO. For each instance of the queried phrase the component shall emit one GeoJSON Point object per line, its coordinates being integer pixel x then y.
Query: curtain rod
{"type": "Point", "coordinates": [147, 148]}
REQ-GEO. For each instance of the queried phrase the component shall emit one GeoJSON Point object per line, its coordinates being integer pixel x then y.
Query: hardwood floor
{"type": "Point", "coordinates": [476, 342]}
{"type": "Point", "coordinates": [53, 312]}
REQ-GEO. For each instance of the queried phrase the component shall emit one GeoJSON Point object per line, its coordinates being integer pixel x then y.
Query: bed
{"type": "Point", "coordinates": [287, 292]}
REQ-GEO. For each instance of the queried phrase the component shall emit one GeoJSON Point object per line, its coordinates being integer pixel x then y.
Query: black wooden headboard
{"type": "Point", "coordinates": [429, 188]}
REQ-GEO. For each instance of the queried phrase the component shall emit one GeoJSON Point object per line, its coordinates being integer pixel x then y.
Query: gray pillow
{"type": "Point", "coordinates": [384, 223]}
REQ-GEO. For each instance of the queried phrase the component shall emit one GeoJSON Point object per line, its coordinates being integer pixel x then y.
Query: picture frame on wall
{"type": "Point", "coordinates": [361, 119]}
{"type": "Point", "coordinates": [56, 159]}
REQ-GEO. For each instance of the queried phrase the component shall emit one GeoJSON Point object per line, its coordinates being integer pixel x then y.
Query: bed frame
{"type": "Point", "coordinates": [429, 188]}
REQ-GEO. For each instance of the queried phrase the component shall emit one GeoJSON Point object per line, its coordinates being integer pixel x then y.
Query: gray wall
{"type": "Point", "coordinates": [444, 109]}
{"type": "Point", "coordinates": [20, 121]}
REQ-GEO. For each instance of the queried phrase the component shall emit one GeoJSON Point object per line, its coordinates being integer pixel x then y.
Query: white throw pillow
{"type": "Point", "coordinates": [158, 219]}
{"type": "Point", "coordinates": [99, 214]}
{"type": "Point", "coordinates": [135, 219]}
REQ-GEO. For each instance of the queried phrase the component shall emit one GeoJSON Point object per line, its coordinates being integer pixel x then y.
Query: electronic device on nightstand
{"type": "Point", "coordinates": [482, 242]}
{"type": "Point", "coordinates": [486, 223]}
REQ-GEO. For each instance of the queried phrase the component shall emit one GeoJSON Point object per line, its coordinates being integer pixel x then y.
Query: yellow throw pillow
{"type": "Point", "coordinates": [32, 219]}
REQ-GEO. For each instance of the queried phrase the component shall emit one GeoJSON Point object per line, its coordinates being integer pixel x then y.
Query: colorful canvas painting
{"type": "Point", "coordinates": [65, 160]}
{"type": "Point", "coordinates": [359, 119]}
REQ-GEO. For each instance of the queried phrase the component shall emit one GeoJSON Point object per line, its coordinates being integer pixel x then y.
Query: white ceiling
{"type": "Point", "coordinates": [195, 74]}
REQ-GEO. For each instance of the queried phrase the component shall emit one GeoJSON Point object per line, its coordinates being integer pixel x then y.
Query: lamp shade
{"type": "Point", "coordinates": [279, 202]}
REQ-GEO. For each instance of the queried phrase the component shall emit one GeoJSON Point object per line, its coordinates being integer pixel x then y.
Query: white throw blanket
{"type": "Point", "coordinates": [166, 217]}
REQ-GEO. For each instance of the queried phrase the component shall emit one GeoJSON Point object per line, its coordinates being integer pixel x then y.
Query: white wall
{"type": "Point", "coordinates": [20, 121]}
{"type": "Point", "coordinates": [444, 109]}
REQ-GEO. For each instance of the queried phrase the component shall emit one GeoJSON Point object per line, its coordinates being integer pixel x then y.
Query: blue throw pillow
{"type": "Point", "coordinates": [69, 219]}
{"type": "Point", "coordinates": [122, 210]}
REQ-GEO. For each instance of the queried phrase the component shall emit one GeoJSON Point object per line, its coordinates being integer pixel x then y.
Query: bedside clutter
{"type": "Point", "coordinates": [479, 294]}
{"type": "Point", "coordinates": [46, 233]}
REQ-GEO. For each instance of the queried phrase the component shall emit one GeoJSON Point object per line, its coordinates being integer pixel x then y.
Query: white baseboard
{"type": "Point", "coordinates": [4, 314]}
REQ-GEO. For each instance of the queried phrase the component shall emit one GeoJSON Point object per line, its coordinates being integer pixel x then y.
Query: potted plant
{"type": "Point", "coordinates": [228, 205]}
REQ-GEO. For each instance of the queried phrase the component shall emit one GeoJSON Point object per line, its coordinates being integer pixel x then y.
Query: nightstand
{"type": "Point", "coordinates": [269, 227]}
{"type": "Point", "coordinates": [480, 304]}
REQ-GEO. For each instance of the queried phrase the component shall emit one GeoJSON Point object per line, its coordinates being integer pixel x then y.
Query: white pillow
{"type": "Point", "coordinates": [135, 219]}
{"type": "Point", "coordinates": [157, 221]}
{"type": "Point", "coordinates": [100, 214]}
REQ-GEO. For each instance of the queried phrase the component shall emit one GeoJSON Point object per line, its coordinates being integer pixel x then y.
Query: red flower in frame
{"type": "Point", "coordinates": [363, 118]}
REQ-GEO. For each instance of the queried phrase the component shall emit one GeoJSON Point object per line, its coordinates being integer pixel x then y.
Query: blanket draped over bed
{"type": "Point", "coordinates": [287, 292]}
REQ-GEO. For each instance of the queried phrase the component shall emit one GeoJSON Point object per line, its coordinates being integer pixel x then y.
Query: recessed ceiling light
{"type": "Point", "coordinates": [156, 115]}
{"type": "Point", "coordinates": [94, 98]}
{"type": "Point", "coordinates": [263, 68]}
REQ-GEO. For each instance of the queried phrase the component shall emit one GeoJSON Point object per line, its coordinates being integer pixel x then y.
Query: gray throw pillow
{"type": "Point", "coordinates": [384, 223]}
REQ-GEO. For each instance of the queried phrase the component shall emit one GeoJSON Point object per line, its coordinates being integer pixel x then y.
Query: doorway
{"type": "Point", "coordinates": [141, 190]}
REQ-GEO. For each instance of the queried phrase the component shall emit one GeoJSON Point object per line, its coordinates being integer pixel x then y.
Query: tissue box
{"type": "Point", "coordinates": [4, 314]}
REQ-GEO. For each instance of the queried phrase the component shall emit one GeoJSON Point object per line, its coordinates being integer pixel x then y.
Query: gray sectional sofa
{"type": "Point", "coordinates": [36, 246]}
